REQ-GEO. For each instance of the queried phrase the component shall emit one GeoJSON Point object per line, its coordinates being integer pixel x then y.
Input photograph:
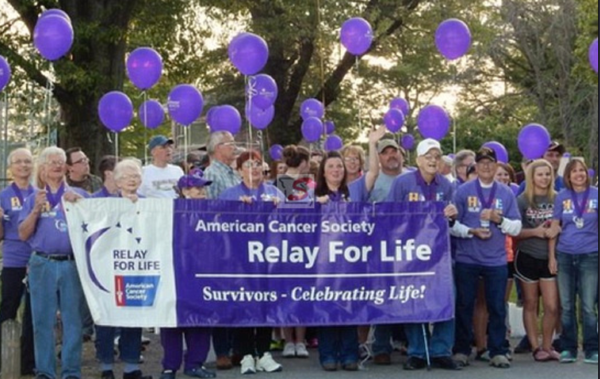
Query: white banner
{"type": "Point", "coordinates": [124, 256]}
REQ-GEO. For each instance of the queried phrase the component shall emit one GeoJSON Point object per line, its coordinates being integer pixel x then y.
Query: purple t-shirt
{"type": "Point", "coordinates": [15, 253]}
{"type": "Point", "coordinates": [412, 187]}
{"type": "Point", "coordinates": [51, 235]}
{"type": "Point", "coordinates": [358, 189]}
{"type": "Point", "coordinates": [264, 192]}
{"type": "Point", "coordinates": [574, 240]}
{"type": "Point", "coordinates": [490, 252]}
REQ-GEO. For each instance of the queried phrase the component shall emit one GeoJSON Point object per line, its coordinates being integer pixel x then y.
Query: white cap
{"type": "Point", "coordinates": [426, 145]}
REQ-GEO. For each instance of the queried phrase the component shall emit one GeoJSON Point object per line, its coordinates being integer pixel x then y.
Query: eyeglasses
{"type": "Point", "coordinates": [22, 161]}
{"type": "Point", "coordinates": [351, 160]}
{"type": "Point", "coordinates": [131, 177]}
{"type": "Point", "coordinates": [250, 164]}
{"type": "Point", "coordinates": [56, 163]}
{"type": "Point", "coordinates": [83, 160]}
{"type": "Point", "coordinates": [229, 143]}
{"type": "Point", "coordinates": [430, 157]}
{"type": "Point", "coordinates": [486, 163]}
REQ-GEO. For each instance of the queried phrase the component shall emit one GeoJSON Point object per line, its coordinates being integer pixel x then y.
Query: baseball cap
{"type": "Point", "coordinates": [385, 143]}
{"type": "Point", "coordinates": [159, 140]}
{"type": "Point", "coordinates": [194, 179]}
{"type": "Point", "coordinates": [485, 153]}
{"type": "Point", "coordinates": [556, 146]}
{"type": "Point", "coordinates": [427, 144]}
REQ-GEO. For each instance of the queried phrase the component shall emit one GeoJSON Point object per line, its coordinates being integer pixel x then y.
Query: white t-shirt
{"type": "Point", "coordinates": [160, 182]}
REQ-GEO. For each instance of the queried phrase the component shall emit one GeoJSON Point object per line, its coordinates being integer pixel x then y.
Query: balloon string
{"type": "Point", "coordinates": [185, 142]}
{"type": "Point", "coordinates": [248, 97]}
{"type": "Point", "coordinates": [47, 107]}
{"type": "Point", "coordinates": [321, 61]}
{"type": "Point", "coordinates": [5, 129]}
{"type": "Point", "coordinates": [116, 144]}
{"type": "Point", "coordinates": [454, 126]}
{"type": "Point", "coordinates": [358, 103]}
{"type": "Point", "coordinates": [145, 99]}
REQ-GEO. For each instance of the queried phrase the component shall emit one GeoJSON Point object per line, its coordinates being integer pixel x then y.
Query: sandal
{"type": "Point", "coordinates": [541, 355]}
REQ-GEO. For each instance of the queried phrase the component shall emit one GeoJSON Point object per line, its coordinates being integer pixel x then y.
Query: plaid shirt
{"type": "Point", "coordinates": [222, 176]}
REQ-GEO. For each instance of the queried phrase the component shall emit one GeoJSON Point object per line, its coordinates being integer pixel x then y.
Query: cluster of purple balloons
{"type": "Point", "coordinates": [4, 73]}
{"type": "Point", "coordinates": [261, 92]}
{"type": "Point", "coordinates": [53, 34]}
{"type": "Point", "coordinates": [311, 111]}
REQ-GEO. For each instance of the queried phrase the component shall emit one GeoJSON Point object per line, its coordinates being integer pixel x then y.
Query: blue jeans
{"type": "Point", "coordinates": [494, 279]}
{"type": "Point", "coordinates": [578, 276]}
{"type": "Point", "coordinates": [439, 345]}
{"type": "Point", "coordinates": [54, 285]}
{"type": "Point", "coordinates": [130, 344]}
{"type": "Point", "coordinates": [338, 344]}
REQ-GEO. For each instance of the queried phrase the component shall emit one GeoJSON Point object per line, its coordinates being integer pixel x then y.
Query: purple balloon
{"type": "Point", "coordinates": [56, 12]}
{"type": "Point", "coordinates": [533, 141]}
{"type": "Point", "coordinates": [453, 38]}
{"type": "Point", "coordinates": [210, 116]}
{"type": "Point", "coordinates": [312, 129]}
{"type": "Point", "coordinates": [329, 127]}
{"type": "Point", "coordinates": [151, 113]}
{"type": "Point", "coordinates": [356, 35]}
{"type": "Point", "coordinates": [393, 120]}
{"type": "Point", "coordinates": [593, 55]}
{"type": "Point", "coordinates": [144, 67]}
{"type": "Point", "coordinates": [226, 118]}
{"type": "Point", "coordinates": [248, 53]}
{"type": "Point", "coordinates": [452, 156]}
{"type": "Point", "coordinates": [408, 141]}
{"type": "Point", "coordinates": [333, 143]}
{"type": "Point", "coordinates": [276, 152]}
{"type": "Point", "coordinates": [185, 104]}
{"type": "Point", "coordinates": [260, 118]}
{"type": "Point", "coordinates": [115, 110]}
{"type": "Point", "coordinates": [433, 122]}
{"type": "Point", "coordinates": [400, 103]}
{"type": "Point", "coordinates": [262, 90]}
{"type": "Point", "coordinates": [4, 72]}
{"type": "Point", "coordinates": [53, 36]}
{"type": "Point", "coordinates": [311, 108]}
{"type": "Point", "coordinates": [499, 149]}
{"type": "Point", "coordinates": [567, 155]}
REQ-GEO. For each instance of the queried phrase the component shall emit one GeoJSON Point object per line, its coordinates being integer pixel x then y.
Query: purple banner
{"type": "Point", "coordinates": [339, 264]}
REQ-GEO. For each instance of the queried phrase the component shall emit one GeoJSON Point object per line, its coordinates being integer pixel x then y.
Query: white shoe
{"type": "Point", "coordinates": [289, 350]}
{"type": "Point", "coordinates": [301, 351]}
{"type": "Point", "coordinates": [248, 366]}
{"type": "Point", "coordinates": [267, 364]}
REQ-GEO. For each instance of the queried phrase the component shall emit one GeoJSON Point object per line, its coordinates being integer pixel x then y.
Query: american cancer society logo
{"type": "Point", "coordinates": [135, 272]}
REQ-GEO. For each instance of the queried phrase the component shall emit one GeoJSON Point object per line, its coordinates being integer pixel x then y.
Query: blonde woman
{"type": "Point", "coordinates": [532, 266]}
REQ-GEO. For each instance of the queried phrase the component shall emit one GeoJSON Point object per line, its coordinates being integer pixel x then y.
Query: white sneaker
{"type": "Point", "coordinates": [301, 351]}
{"type": "Point", "coordinates": [289, 350]}
{"type": "Point", "coordinates": [248, 366]}
{"type": "Point", "coordinates": [267, 364]}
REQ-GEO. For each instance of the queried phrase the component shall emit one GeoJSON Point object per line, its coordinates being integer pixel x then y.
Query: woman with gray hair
{"type": "Point", "coordinates": [462, 161]}
{"type": "Point", "coordinates": [127, 176]}
{"type": "Point", "coordinates": [53, 279]}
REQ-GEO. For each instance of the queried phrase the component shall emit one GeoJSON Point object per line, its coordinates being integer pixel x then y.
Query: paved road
{"type": "Point", "coordinates": [523, 367]}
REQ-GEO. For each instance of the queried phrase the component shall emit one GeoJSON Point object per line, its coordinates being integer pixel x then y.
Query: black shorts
{"type": "Point", "coordinates": [530, 269]}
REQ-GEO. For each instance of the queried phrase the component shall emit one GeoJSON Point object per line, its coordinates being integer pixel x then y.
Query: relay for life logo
{"type": "Point", "coordinates": [134, 272]}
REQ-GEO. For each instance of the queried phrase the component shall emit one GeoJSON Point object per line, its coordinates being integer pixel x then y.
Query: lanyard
{"type": "Point", "coordinates": [486, 203]}
{"type": "Point", "coordinates": [19, 194]}
{"type": "Point", "coordinates": [54, 199]}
